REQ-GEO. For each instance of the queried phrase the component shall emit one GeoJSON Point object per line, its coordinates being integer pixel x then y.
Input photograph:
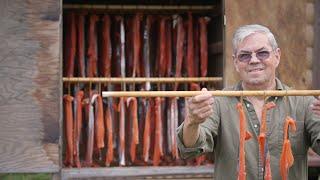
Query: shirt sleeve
{"type": "Point", "coordinates": [313, 126]}
{"type": "Point", "coordinates": [205, 142]}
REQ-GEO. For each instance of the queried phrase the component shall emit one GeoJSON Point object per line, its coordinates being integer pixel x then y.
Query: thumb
{"type": "Point", "coordinates": [204, 89]}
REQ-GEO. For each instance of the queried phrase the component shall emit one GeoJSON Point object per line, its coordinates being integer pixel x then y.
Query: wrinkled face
{"type": "Point", "coordinates": [255, 61]}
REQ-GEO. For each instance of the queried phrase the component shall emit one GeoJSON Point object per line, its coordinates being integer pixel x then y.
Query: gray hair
{"type": "Point", "coordinates": [244, 31]}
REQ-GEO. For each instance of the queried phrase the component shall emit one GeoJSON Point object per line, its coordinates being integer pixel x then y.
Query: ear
{"type": "Point", "coordinates": [235, 62]}
{"type": "Point", "coordinates": [277, 54]}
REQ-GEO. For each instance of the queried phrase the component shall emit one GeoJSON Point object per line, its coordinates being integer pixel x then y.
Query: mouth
{"type": "Point", "coordinates": [255, 70]}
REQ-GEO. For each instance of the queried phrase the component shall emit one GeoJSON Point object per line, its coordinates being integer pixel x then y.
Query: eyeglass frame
{"type": "Point", "coordinates": [251, 55]}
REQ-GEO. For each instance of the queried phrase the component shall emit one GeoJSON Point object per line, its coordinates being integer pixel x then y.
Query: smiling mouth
{"type": "Point", "coordinates": [256, 70]}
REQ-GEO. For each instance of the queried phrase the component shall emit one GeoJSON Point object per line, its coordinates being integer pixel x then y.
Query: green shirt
{"type": "Point", "coordinates": [220, 134]}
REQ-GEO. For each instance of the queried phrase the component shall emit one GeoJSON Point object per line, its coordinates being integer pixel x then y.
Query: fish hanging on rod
{"type": "Point", "coordinates": [77, 127]}
{"type": "Point", "coordinates": [68, 124]}
{"type": "Point", "coordinates": [262, 139]}
{"type": "Point", "coordinates": [244, 136]}
{"type": "Point", "coordinates": [286, 157]}
{"type": "Point", "coordinates": [203, 21]}
{"type": "Point", "coordinates": [92, 47]}
{"type": "Point", "coordinates": [70, 44]}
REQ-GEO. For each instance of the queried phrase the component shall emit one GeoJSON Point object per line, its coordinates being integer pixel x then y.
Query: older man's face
{"type": "Point", "coordinates": [255, 60]}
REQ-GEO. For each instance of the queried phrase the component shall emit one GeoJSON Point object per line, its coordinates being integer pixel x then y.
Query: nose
{"type": "Point", "coordinates": [254, 59]}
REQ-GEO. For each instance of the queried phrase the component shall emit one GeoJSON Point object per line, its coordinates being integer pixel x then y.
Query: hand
{"type": "Point", "coordinates": [315, 106]}
{"type": "Point", "coordinates": [199, 108]}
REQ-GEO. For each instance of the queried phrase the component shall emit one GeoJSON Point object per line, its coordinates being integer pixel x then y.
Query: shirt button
{"type": "Point", "coordinates": [248, 105]}
{"type": "Point", "coordinates": [255, 126]}
{"type": "Point", "coordinates": [276, 98]}
{"type": "Point", "coordinates": [262, 169]}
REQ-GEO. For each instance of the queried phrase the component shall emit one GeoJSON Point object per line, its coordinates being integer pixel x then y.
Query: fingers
{"type": "Point", "coordinates": [315, 106]}
{"type": "Point", "coordinates": [201, 97]}
{"type": "Point", "coordinates": [200, 107]}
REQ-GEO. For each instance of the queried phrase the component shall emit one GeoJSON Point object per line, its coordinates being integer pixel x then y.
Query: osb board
{"type": "Point", "coordinates": [287, 20]}
{"type": "Point", "coordinates": [30, 89]}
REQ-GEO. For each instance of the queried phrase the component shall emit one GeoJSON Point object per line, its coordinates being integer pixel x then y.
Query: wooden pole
{"type": "Point", "coordinates": [142, 80]}
{"type": "Point", "coordinates": [214, 93]}
{"type": "Point", "coordinates": [140, 7]}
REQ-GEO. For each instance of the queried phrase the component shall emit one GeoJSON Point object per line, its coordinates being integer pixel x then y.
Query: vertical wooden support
{"type": "Point", "coordinates": [30, 91]}
{"type": "Point", "coordinates": [316, 52]}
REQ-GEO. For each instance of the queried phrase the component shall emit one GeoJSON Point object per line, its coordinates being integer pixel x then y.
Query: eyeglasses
{"type": "Point", "coordinates": [261, 55]}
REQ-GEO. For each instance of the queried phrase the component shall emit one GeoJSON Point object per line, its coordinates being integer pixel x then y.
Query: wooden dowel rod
{"type": "Point", "coordinates": [214, 93]}
{"type": "Point", "coordinates": [142, 80]}
{"type": "Point", "coordinates": [139, 7]}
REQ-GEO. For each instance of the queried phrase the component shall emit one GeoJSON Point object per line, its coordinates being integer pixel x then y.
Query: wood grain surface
{"type": "Point", "coordinates": [30, 89]}
{"type": "Point", "coordinates": [287, 20]}
{"type": "Point", "coordinates": [316, 47]}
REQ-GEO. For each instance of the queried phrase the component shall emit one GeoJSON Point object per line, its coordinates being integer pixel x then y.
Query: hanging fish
{"type": "Point", "coordinates": [179, 47]}
{"type": "Point", "coordinates": [263, 130]}
{"type": "Point", "coordinates": [286, 158]}
{"type": "Point", "coordinates": [108, 121]}
{"type": "Point", "coordinates": [70, 44]}
{"type": "Point", "coordinates": [190, 47]}
{"type": "Point", "coordinates": [133, 106]}
{"type": "Point", "coordinates": [122, 133]}
{"type": "Point", "coordinates": [92, 47]}
{"type": "Point", "coordinates": [146, 50]}
{"type": "Point", "coordinates": [106, 48]}
{"type": "Point", "coordinates": [203, 21]}
{"type": "Point", "coordinates": [121, 102]}
{"type": "Point", "coordinates": [196, 48]}
{"type": "Point", "coordinates": [147, 133]}
{"type": "Point", "coordinates": [99, 125]}
{"type": "Point", "coordinates": [68, 121]}
{"type": "Point", "coordinates": [77, 127]}
{"type": "Point", "coordinates": [137, 45]}
{"type": "Point", "coordinates": [90, 132]}
{"type": "Point", "coordinates": [80, 60]}
{"type": "Point", "coordinates": [162, 60]}
{"type": "Point", "coordinates": [268, 175]}
{"type": "Point", "coordinates": [158, 149]}
{"type": "Point", "coordinates": [244, 136]}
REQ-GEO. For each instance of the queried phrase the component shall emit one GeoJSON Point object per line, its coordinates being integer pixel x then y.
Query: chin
{"type": "Point", "coordinates": [256, 81]}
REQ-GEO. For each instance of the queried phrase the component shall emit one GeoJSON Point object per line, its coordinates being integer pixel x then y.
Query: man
{"type": "Point", "coordinates": [212, 123]}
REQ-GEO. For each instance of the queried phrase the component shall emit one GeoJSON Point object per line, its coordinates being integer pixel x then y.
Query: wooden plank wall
{"type": "Point", "coordinates": [287, 20]}
{"type": "Point", "coordinates": [316, 52]}
{"type": "Point", "coordinates": [30, 90]}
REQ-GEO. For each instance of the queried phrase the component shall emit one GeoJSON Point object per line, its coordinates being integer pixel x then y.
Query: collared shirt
{"type": "Point", "coordinates": [219, 134]}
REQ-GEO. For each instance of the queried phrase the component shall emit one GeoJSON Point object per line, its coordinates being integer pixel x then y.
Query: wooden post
{"type": "Point", "coordinates": [316, 52]}
{"type": "Point", "coordinates": [30, 76]}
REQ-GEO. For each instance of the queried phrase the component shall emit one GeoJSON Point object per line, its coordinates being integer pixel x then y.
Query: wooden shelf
{"type": "Point", "coordinates": [142, 79]}
{"type": "Point", "coordinates": [163, 171]}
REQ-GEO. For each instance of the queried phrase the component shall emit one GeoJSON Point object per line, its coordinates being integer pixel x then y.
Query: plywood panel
{"type": "Point", "coordinates": [316, 51]}
{"type": "Point", "coordinates": [30, 89]}
{"type": "Point", "coordinates": [287, 20]}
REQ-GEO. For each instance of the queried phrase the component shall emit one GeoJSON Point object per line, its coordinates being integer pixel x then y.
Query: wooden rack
{"type": "Point", "coordinates": [144, 8]}
{"type": "Point", "coordinates": [214, 93]}
{"type": "Point", "coordinates": [142, 79]}
{"type": "Point", "coordinates": [175, 172]}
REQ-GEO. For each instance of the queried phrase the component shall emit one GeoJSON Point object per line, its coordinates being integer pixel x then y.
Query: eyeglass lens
{"type": "Point", "coordinates": [261, 55]}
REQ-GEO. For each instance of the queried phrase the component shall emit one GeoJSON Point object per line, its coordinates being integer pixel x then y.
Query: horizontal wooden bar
{"type": "Point", "coordinates": [140, 7]}
{"type": "Point", "coordinates": [136, 171]}
{"type": "Point", "coordinates": [142, 79]}
{"type": "Point", "coordinates": [214, 93]}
